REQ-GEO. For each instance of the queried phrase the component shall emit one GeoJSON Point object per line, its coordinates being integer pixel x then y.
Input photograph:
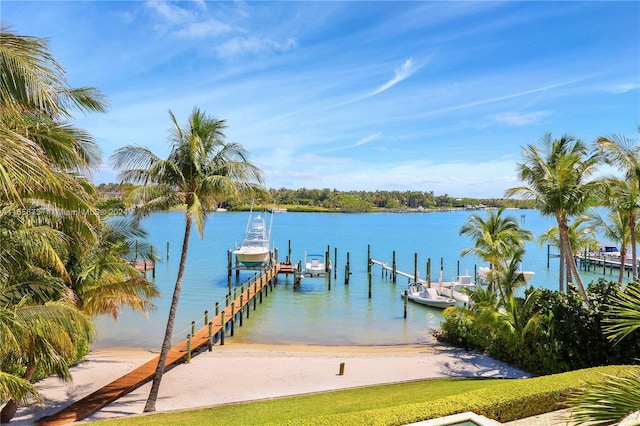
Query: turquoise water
{"type": "Point", "coordinates": [311, 314]}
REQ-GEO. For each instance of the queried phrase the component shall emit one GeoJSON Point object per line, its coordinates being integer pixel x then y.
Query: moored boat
{"type": "Point", "coordinates": [428, 296]}
{"type": "Point", "coordinates": [255, 251]}
{"type": "Point", "coordinates": [315, 265]}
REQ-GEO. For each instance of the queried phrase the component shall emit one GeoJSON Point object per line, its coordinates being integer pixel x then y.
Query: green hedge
{"type": "Point", "coordinates": [505, 402]}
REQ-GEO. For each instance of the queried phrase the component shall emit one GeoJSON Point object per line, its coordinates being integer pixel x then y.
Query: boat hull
{"type": "Point", "coordinates": [252, 260]}
{"type": "Point", "coordinates": [440, 304]}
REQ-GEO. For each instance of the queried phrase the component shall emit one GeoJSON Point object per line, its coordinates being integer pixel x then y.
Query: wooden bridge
{"type": "Point", "coordinates": [181, 352]}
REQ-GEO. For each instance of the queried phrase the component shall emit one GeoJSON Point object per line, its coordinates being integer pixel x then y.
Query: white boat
{"type": "Point", "coordinates": [428, 296]}
{"type": "Point", "coordinates": [483, 275]}
{"type": "Point", "coordinates": [315, 266]}
{"type": "Point", "coordinates": [255, 251]}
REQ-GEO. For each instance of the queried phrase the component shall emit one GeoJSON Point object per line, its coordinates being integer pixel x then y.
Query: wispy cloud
{"type": "Point", "coordinates": [210, 27]}
{"type": "Point", "coordinates": [406, 70]}
{"type": "Point", "coordinates": [519, 119]}
{"type": "Point", "coordinates": [240, 46]}
{"type": "Point", "coordinates": [624, 88]}
{"type": "Point", "coordinates": [368, 139]}
{"type": "Point", "coordinates": [186, 23]}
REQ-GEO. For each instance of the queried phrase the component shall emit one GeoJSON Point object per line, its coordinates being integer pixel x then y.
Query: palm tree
{"type": "Point", "coordinates": [625, 153]}
{"type": "Point", "coordinates": [582, 235]}
{"type": "Point", "coordinates": [557, 173]}
{"type": "Point", "coordinates": [43, 156]}
{"type": "Point", "coordinates": [101, 276]}
{"type": "Point", "coordinates": [40, 336]}
{"type": "Point", "coordinates": [200, 167]}
{"type": "Point", "coordinates": [495, 237]}
{"type": "Point", "coordinates": [614, 228]}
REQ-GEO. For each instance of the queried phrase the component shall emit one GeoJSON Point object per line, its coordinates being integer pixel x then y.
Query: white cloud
{"type": "Point", "coordinates": [169, 11]}
{"type": "Point", "coordinates": [406, 70]}
{"type": "Point", "coordinates": [205, 28]}
{"type": "Point", "coordinates": [239, 46]}
{"type": "Point", "coordinates": [368, 139]}
{"type": "Point", "coordinates": [519, 119]}
{"type": "Point", "coordinates": [624, 88]}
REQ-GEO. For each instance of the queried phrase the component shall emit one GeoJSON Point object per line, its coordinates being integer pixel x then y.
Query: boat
{"type": "Point", "coordinates": [315, 266]}
{"type": "Point", "coordinates": [483, 275]}
{"type": "Point", "coordinates": [428, 296]}
{"type": "Point", "coordinates": [255, 252]}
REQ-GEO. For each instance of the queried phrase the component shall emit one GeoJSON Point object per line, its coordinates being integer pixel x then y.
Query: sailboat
{"type": "Point", "coordinates": [255, 251]}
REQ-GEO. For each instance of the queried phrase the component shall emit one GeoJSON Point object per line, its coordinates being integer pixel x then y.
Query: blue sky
{"type": "Point", "coordinates": [428, 96]}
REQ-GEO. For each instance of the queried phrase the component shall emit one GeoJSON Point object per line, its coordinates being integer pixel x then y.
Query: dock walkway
{"type": "Point", "coordinates": [181, 352]}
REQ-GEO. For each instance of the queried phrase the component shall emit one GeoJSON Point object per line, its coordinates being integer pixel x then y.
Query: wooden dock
{"type": "Point", "coordinates": [181, 352]}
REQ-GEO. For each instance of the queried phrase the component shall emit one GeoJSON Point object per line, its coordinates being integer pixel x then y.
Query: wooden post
{"type": "Point", "coordinates": [289, 253]}
{"type": "Point", "coordinates": [406, 302]}
{"type": "Point", "coordinates": [206, 317]}
{"type": "Point", "coordinates": [415, 267]}
{"type": "Point", "coordinates": [369, 274]}
{"type": "Point", "coordinates": [241, 307]}
{"type": "Point", "coordinates": [233, 317]}
{"type": "Point", "coordinates": [548, 254]}
{"type": "Point", "coordinates": [153, 267]}
{"type": "Point", "coordinates": [335, 262]}
{"type": "Point", "coordinates": [217, 308]}
{"type": "Point", "coordinates": [347, 271]}
{"type": "Point", "coordinates": [369, 258]}
{"type": "Point", "coordinates": [229, 264]}
{"type": "Point", "coordinates": [393, 268]}
{"type": "Point", "coordinates": [428, 272]}
{"type": "Point", "coordinates": [167, 250]}
{"type": "Point", "coordinates": [210, 344]}
{"type": "Point", "coordinates": [341, 372]}
{"type": "Point", "coordinates": [188, 348]}
{"type": "Point", "coordinates": [223, 323]}
{"type": "Point", "coordinates": [193, 328]}
{"type": "Point", "coordinates": [458, 269]}
{"type": "Point", "coordinates": [255, 294]}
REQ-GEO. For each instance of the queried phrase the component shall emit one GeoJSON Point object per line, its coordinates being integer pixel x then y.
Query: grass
{"type": "Point", "coordinates": [396, 404]}
{"type": "Point", "coordinates": [290, 409]}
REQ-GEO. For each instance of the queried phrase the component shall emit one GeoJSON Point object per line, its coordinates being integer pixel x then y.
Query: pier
{"type": "Point", "coordinates": [213, 330]}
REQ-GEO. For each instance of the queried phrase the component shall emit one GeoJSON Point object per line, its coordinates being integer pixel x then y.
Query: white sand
{"type": "Point", "coordinates": [243, 372]}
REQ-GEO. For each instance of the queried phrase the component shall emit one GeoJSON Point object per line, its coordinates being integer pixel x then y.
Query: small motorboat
{"type": "Point", "coordinates": [428, 296]}
{"type": "Point", "coordinates": [315, 265]}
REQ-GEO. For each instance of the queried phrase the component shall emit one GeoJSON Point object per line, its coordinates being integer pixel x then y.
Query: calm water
{"type": "Point", "coordinates": [311, 314]}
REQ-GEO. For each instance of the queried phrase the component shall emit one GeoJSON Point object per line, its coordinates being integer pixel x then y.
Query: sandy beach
{"type": "Point", "coordinates": [243, 372]}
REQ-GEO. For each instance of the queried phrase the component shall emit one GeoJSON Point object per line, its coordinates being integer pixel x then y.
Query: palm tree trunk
{"type": "Point", "coordinates": [563, 233]}
{"type": "Point", "coordinates": [623, 259]}
{"type": "Point", "coordinates": [11, 407]}
{"type": "Point", "coordinates": [561, 272]}
{"type": "Point", "coordinates": [166, 343]}
{"type": "Point", "coordinates": [634, 254]}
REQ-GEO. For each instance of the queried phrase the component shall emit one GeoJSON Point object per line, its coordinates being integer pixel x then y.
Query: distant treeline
{"type": "Point", "coordinates": [326, 199]}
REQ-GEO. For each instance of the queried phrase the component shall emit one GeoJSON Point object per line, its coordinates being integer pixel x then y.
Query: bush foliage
{"type": "Point", "coordinates": [569, 337]}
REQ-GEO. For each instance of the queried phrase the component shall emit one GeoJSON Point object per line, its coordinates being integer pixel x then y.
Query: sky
{"type": "Point", "coordinates": [353, 95]}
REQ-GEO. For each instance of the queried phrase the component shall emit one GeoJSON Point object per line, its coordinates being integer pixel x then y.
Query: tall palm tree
{"type": "Point", "coordinates": [582, 235]}
{"type": "Point", "coordinates": [614, 228]}
{"type": "Point", "coordinates": [495, 237]}
{"type": "Point", "coordinates": [625, 154]}
{"type": "Point", "coordinates": [557, 175]}
{"type": "Point", "coordinates": [200, 168]}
